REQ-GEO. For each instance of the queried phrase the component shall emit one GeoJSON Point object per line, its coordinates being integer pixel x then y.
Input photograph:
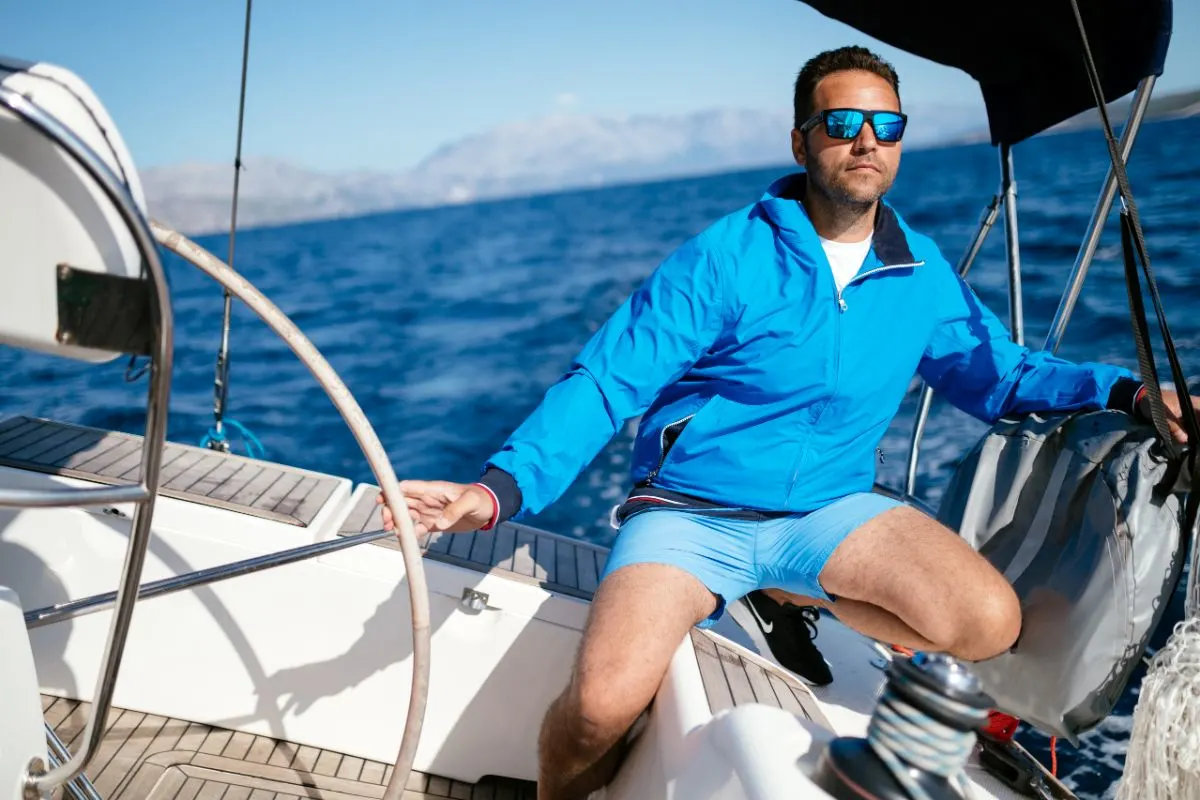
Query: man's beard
{"type": "Point", "coordinates": [839, 189]}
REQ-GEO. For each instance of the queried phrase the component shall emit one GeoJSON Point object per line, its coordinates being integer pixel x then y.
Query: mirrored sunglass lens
{"type": "Point", "coordinates": [888, 127]}
{"type": "Point", "coordinates": [844, 124]}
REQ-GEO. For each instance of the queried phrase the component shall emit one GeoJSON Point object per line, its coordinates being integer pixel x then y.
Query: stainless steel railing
{"type": "Point", "coordinates": [79, 787]}
{"type": "Point", "coordinates": [37, 781]}
{"type": "Point", "coordinates": [40, 617]}
{"type": "Point", "coordinates": [40, 781]}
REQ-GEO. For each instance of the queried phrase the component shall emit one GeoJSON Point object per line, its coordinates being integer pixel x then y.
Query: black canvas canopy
{"type": "Point", "coordinates": [1027, 55]}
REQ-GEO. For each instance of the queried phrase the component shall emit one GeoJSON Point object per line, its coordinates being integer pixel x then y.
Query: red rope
{"type": "Point", "coordinates": [1054, 756]}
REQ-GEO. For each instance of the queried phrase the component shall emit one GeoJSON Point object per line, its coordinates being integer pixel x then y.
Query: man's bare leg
{"type": "Point", "coordinates": [906, 579]}
{"type": "Point", "coordinates": [639, 616]}
{"type": "Point", "coordinates": [865, 618]}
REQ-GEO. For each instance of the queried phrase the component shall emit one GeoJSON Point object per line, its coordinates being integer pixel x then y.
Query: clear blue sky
{"type": "Point", "coordinates": [378, 84]}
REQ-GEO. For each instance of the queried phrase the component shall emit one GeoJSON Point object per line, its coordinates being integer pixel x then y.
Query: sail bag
{"type": "Point", "coordinates": [1085, 514]}
{"type": "Point", "coordinates": [1072, 509]}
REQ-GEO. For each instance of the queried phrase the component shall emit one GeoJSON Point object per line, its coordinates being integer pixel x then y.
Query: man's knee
{"type": "Point", "coordinates": [1000, 618]}
{"type": "Point", "coordinates": [987, 624]}
{"type": "Point", "coordinates": [626, 651]}
{"type": "Point", "coordinates": [601, 709]}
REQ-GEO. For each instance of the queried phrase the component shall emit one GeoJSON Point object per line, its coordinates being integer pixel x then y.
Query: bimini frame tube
{"type": "Point", "coordinates": [1087, 250]}
{"type": "Point", "coordinates": [986, 221]}
{"type": "Point", "coordinates": [1012, 243]}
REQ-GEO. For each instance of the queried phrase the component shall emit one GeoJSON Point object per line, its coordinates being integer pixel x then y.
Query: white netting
{"type": "Point", "coordinates": [1163, 760]}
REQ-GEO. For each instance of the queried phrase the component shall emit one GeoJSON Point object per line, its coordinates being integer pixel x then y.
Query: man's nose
{"type": "Point", "coordinates": [866, 141]}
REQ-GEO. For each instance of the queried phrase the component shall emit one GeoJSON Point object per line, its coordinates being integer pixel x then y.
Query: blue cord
{"type": "Point", "coordinates": [254, 447]}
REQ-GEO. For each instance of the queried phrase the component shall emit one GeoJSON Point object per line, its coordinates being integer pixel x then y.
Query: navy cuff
{"type": "Point", "coordinates": [504, 487]}
{"type": "Point", "coordinates": [1123, 396]}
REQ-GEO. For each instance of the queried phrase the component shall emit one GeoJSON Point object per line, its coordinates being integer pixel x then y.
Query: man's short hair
{"type": "Point", "coordinates": [842, 59]}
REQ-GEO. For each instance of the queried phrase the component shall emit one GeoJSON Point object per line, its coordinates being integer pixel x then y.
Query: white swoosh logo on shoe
{"type": "Point", "coordinates": [767, 627]}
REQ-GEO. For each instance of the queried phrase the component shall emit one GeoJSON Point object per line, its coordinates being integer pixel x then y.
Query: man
{"type": "Point", "coordinates": [767, 356]}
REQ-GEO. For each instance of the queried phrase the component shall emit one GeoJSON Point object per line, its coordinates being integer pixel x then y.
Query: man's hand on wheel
{"type": "Point", "coordinates": [442, 506]}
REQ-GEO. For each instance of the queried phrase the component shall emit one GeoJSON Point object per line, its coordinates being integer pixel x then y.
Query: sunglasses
{"type": "Point", "coordinates": [846, 123]}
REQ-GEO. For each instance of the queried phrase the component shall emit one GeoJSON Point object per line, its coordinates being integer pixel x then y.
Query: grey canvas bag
{"type": "Point", "coordinates": [1081, 512]}
{"type": "Point", "coordinates": [1071, 508]}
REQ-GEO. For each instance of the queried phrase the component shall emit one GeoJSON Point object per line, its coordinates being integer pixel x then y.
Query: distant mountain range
{"type": "Point", "coordinates": [1167, 106]}
{"type": "Point", "coordinates": [548, 154]}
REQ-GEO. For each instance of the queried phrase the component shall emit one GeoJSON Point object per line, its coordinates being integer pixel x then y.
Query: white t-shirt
{"type": "Point", "coordinates": [845, 258]}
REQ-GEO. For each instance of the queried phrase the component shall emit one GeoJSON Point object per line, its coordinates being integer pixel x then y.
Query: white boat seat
{"type": "Point", "coordinates": [725, 724]}
{"type": "Point", "coordinates": [731, 675]}
{"type": "Point", "coordinates": [70, 267]}
{"type": "Point", "coordinates": [199, 475]}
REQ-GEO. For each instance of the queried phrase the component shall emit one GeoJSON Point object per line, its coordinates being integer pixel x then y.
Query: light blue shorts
{"type": "Point", "coordinates": [733, 557]}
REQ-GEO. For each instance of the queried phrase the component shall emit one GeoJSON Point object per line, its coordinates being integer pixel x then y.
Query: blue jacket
{"type": "Point", "coordinates": [760, 385]}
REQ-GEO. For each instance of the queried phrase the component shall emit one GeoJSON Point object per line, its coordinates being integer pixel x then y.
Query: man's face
{"type": "Point", "coordinates": [851, 171]}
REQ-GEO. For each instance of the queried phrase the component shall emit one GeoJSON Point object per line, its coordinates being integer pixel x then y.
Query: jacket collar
{"type": "Point", "coordinates": [781, 204]}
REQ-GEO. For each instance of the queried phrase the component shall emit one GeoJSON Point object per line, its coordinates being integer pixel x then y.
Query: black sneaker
{"type": "Point", "coordinates": [786, 632]}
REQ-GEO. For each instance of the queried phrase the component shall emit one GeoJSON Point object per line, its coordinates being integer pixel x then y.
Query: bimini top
{"type": "Point", "coordinates": [1027, 55]}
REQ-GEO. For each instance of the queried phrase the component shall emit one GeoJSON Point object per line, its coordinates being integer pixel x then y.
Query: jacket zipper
{"type": "Point", "coordinates": [842, 301]}
{"type": "Point", "coordinates": [837, 357]}
{"type": "Point", "coordinates": [662, 445]}
{"type": "Point", "coordinates": [837, 379]}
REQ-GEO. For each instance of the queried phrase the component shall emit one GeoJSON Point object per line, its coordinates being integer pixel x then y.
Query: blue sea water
{"type": "Point", "coordinates": [448, 324]}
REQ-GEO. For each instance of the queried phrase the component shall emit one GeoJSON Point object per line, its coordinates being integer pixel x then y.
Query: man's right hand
{"type": "Point", "coordinates": [442, 506]}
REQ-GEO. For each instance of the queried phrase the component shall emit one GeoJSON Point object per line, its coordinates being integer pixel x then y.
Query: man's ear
{"type": "Point", "coordinates": [799, 151]}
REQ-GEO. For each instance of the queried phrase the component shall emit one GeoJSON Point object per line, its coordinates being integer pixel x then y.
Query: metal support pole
{"type": "Point", "coordinates": [1074, 284]}
{"type": "Point", "coordinates": [914, 444]}
{"type": "Point", "coordinates": [40, 617]}
{"type": "Point", "coordinates": [1012, 241]}
{"type": "Point", "coordinates": [67, 498]}
{"type": "Point", "coordinates": [986, 221]}
{"type": "Point", "coordinates": [36, 781]}
{"type": "Point", "coordinates": [1091, 240]}
{"type": "Point", "coordinates": [79, 787]}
